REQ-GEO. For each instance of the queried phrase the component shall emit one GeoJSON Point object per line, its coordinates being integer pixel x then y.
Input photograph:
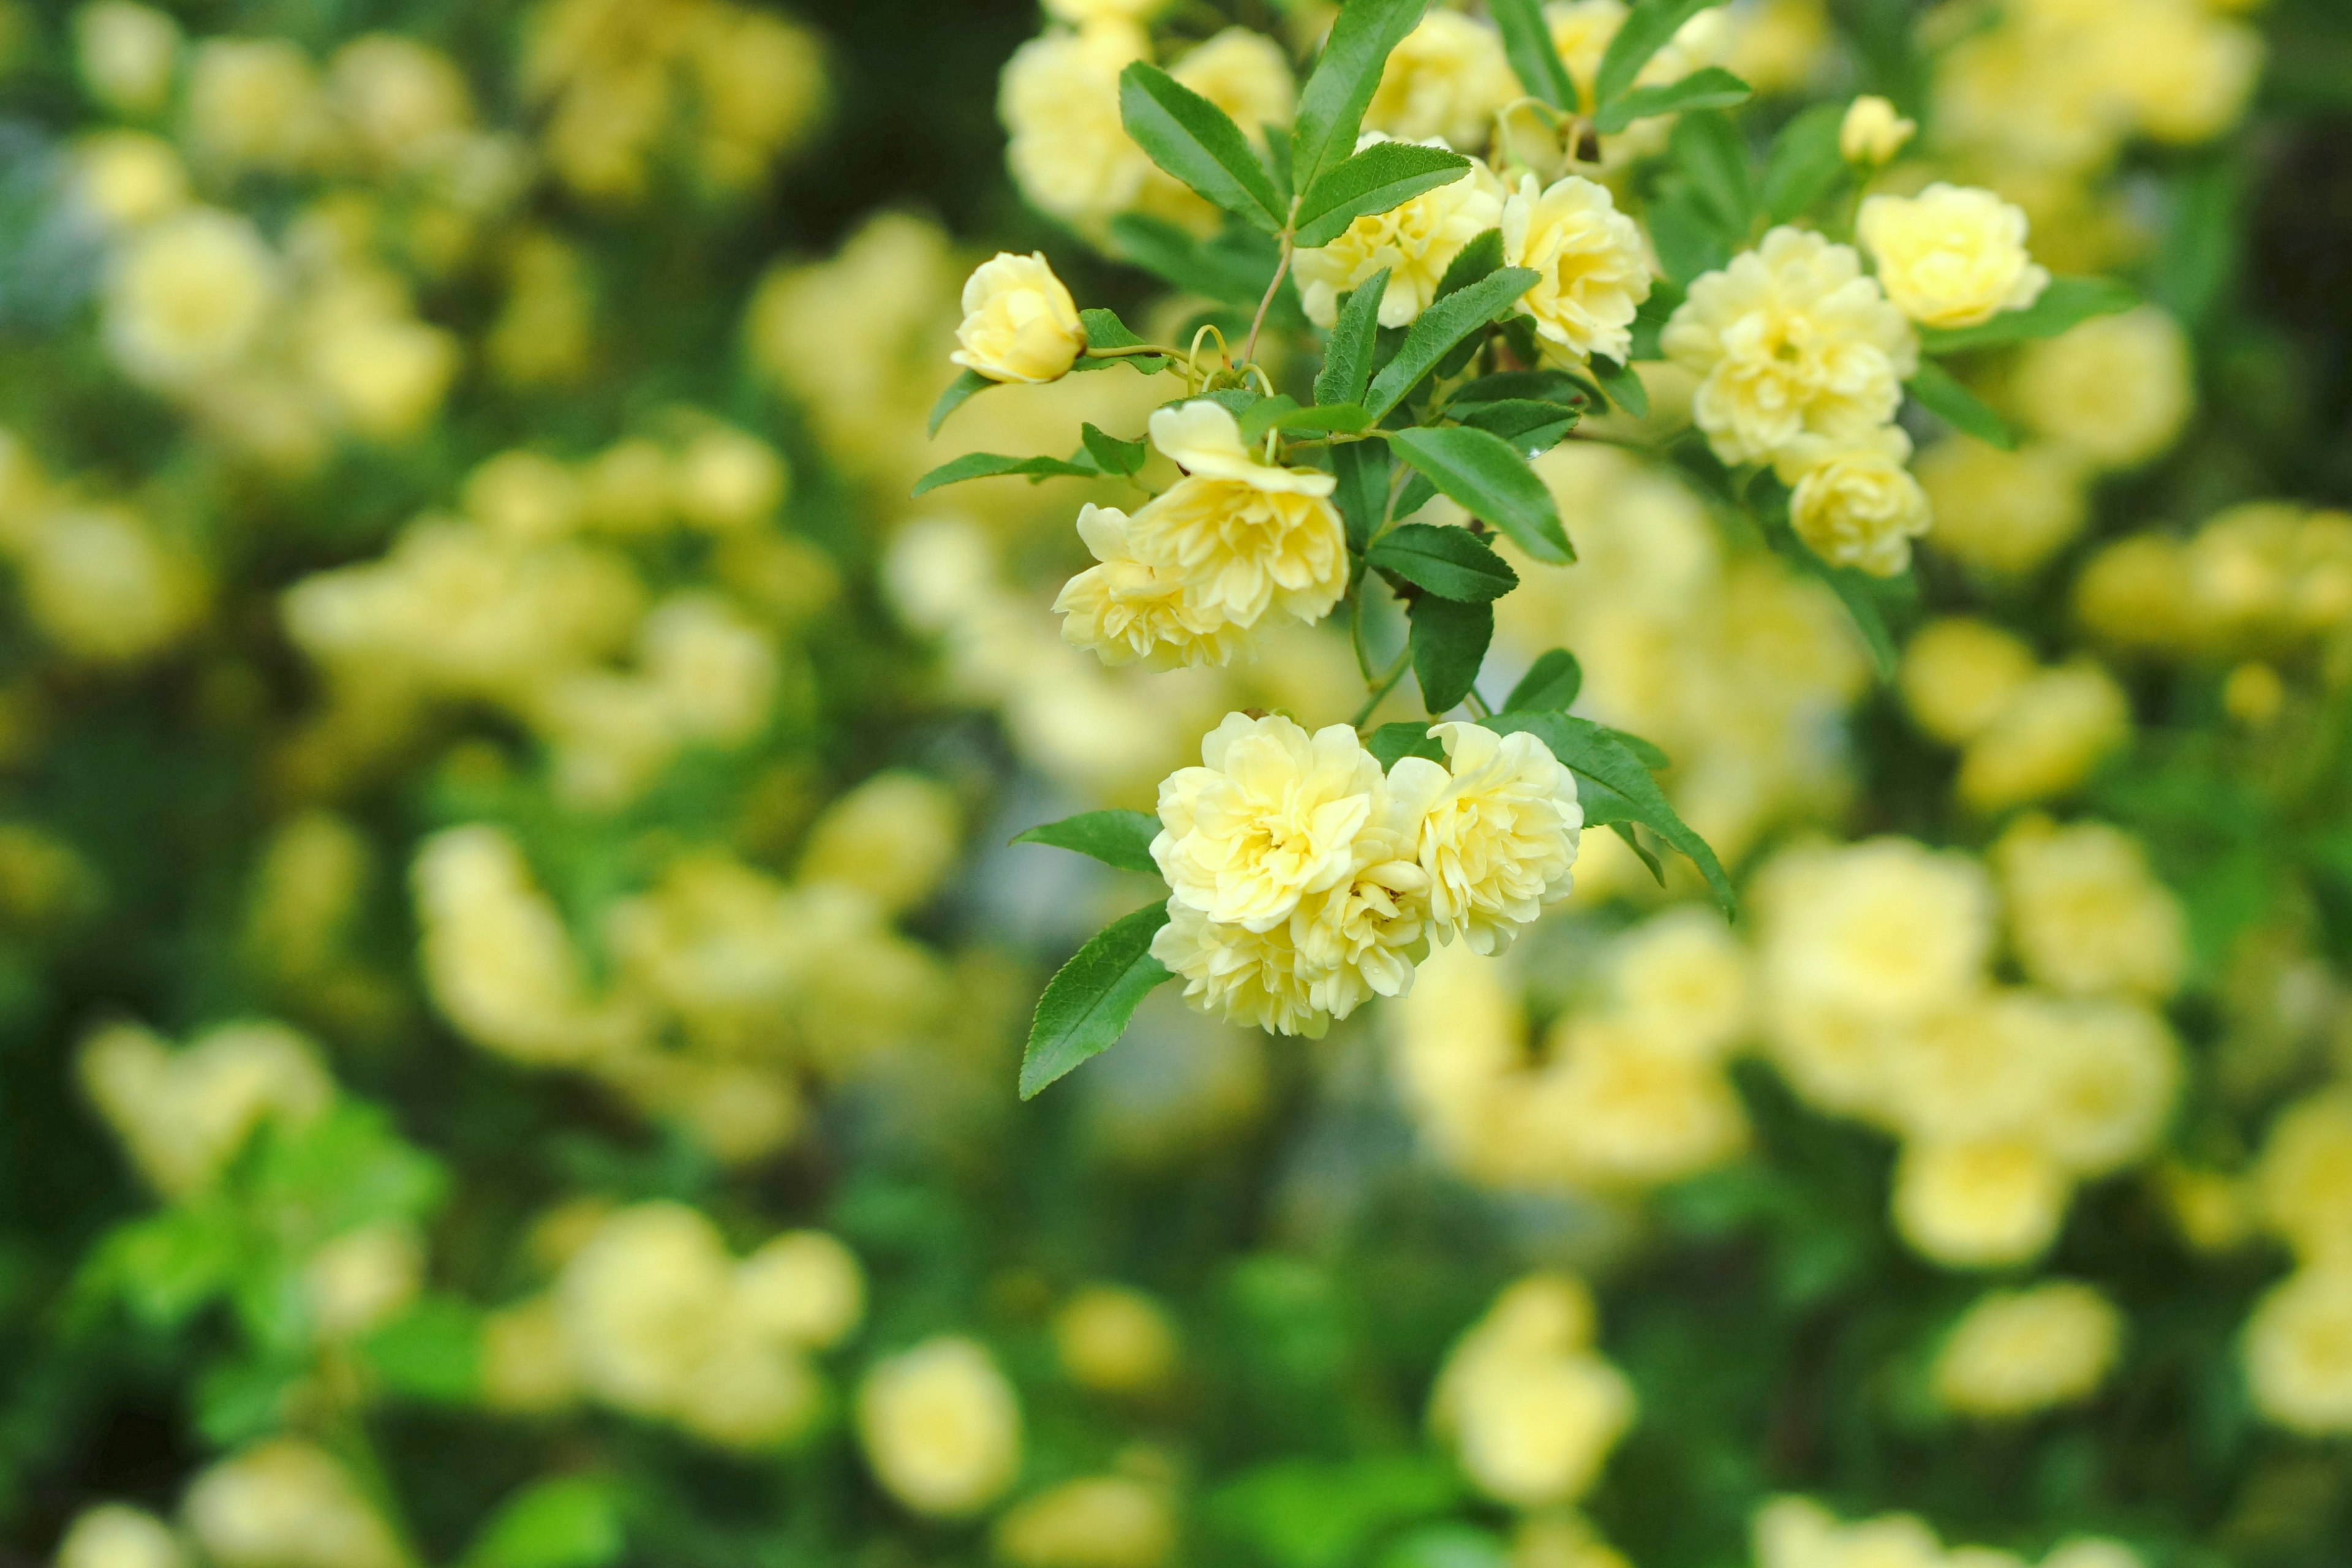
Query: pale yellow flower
{"type": "Point", "coordinates": [2058, 726]}
{"type": "Point", "coordinates": [1098, 1522]}
{"type": "Point", "coordinates": [1499, 823]}
{"type": "Point", "coordinates": [1873, 132]}
{"type": "Point", "coordinates": [2110, 1071]}
{"type": "Point", "coordinates": [1361, 936]}
{"type": "Point", "coordinates": [2304, 1181]}
{"type": "Point", "coordinates": [1068, 151]}
{"type": "Point", "coordinates": [187, 297]}
{"type": "Point", "coordinates": [1980, 1205]}
{"type": "Point", "coordinates": [1415, 243]}
{"type": "Point", "coordinates": [1445, 80]}
{"type": "Point", "coordinates": [2115, 391]}
{"type": "Point", "coordinates": [2298, 1352]}
{"type": "Point", "coordinates": [1244, 536]}
{"type": "Point", "coordinates": [1532, 1409]}
{"type": "Point", "coordinates": [1271, 816]}
{"type": "Point", "coordinates": [1951, 256]}
{"type": "Point", "coordinates": [1018, 321]}
{"type": "Point", "coordinates": [1593, 273]}
{"type": "Point", "coordinates": [1125, 610]}
{"type": "Point", "coordinates": [115, 1535]}
{"type": "Point", "coordinates": [1856, 505]}
{"type": "Point", "coordinates": [2086, 914]}
{"type": "Point", "coordinates": [125, 178]}
{"type": "Point", "coordinates": [2006, 513]}
{"type": "Point", "coordinates": [1246, 977]}
{"type": "Point", "coordinates": [1790, 340]}
{"type": "Point", "coordinates": [2016, 1351]}
{"type": "Point", "coordinates": [1246, 74]}
{"type": "Point", "coordinates": [1114, 1340]}
{"type": "Point", "coordinates": [804, 1288]}
{"type": "Point", "coordinates": [283, 1502]}
{"type": "Point", "coordinates": [256, 103]}
{"type": "Point", "coordinates": [126, 54]}
{"type": "Point", "coordinates": [1681, 981]}
{"type": "Point", "coordinates": [1887, 930]}
{"type": "Point", "coordinates": [1959, 673]}
{"type": "Point", "coordinates": [940, 1427]}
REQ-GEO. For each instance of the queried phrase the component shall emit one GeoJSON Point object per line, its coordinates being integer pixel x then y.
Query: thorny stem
{"type": "Point", "coordinates": [1281, 270]}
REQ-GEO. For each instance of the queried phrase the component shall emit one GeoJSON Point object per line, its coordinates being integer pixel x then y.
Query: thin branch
{"type": "Point", "coordinates": [1281, 270]}
{"type": "Point", "coordinates": [1388, 684]}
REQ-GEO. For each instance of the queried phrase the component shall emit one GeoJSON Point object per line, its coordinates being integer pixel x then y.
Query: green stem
{"type": "Point", "coordinates": [1388, 684]}
{"type": "Point", "coordinates": [1356, 633]}
{"type": "Point", "coordinates": [1281, 270]}
{"type": "Point", "coordinates": [1134, 351]}
{"type": "Point", "coordinates": [1477, 703]}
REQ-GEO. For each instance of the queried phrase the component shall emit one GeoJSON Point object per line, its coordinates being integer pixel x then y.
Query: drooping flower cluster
{"type": "Point", "coordinates": [1303, 880]}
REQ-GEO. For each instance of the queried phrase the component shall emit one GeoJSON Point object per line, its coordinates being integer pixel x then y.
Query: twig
{"type": "Point", "coordinates": [1388, 684]}
{"type": "Point", "coordinates": [1281, 270]}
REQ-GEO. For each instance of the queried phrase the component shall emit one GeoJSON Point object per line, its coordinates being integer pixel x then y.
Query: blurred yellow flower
{"type": "Point", "coordinates": [1856, 505]}
{"type": "Point", "coordinates": [940, 1427]}
{"type": "Point", "coordinates": [2016, 1351]}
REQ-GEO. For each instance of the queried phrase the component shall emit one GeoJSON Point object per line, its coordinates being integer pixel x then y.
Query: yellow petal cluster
{"type": "Point", "coordinates": [1018, 321]}
{"type": "Point", "coordinates": [1592, 275]}
{"type": "Point", "coordinates": [1857, 505]}
{"type": "Point", "coordinates": [1414, 243]}
{"type": "Point", "coordinates": [942, 1427]}
{"type": "Point", "coordinates": [1531, 1405]}
{"type": "Point", "coordinates": [1950, 255]}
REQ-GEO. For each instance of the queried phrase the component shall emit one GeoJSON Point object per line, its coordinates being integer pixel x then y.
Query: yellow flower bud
{"type": "Point", "coordinates": [1018, 321]}
{"type": "Point", "coordinates": [1873, 132]}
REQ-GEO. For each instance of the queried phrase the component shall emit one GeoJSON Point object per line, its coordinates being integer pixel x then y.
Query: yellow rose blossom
{"type": "Point", "coordinates": [1114, 1340]}
{"type": "Point", "coordinates": [114, 1535]}
{"type": "Point", "coordinates": [2056, 729]}
{"type": "Point", "coordinates": [1873, 132]}
{"type": "Point", "coordinates": [1532, 1409]}
{"type": "Point", "coordinates": [1959, 673]}
{"type": "Point", "coordinates": [2016, 1351]}
{"type": "Point", "coordinates": [1980, 1205]}
{"type": "Point", "coordinates": [187, 297]}
{"type": "Point", "coordinates": [1127, 611]}
{"type": "Point", "coordinates": [1592, 273]}
{"type": "Point", "coordinates": [1887, 930]}
{"type": "Point", "coordinates": [1790, 340]}
{"type": "Point", "coordinates": [2303, 1184]}
{"type": "Point", "coordinates": [1244, 536]}
{"type": "Point", "coordinates": [2086, 914]}
{"type": "Point", "coordinates": [2005, 512]}
{"type": "Point", "coordinates": [940, 1427]}
{"type": "Point", "coordinates": [2109, 1072]}
{"type": "Point", "coordinates": [1951, 256]}
{"type": "Point", "coordinates": [1445, 80]}
{"type": "Point", "coordinates": [1098, 1521]}
{"type": "Point", "coordinates": [1857, 505]}
{"type": "Point", "coordinates": [2298, 1352]}
{"type": "Point", "coordinates": [1018, 321]}
{"type": "Point", "coordinates": [1415, 243]}
{"type": "Point", "coordinates": [2115, 391]}
{"type": "Point", "coordinates": [127, 178]}
{"type": "Point", "coordinates": [1361, 936]}
{"type": "Point", "coordinates": [1499, 823]}
{"type": "Point", "coordinates": [1067, 149]}
{"type": "Point", "coordinates": [1245, 977]}
{"type": "Point", "coordinates": [126, 54]}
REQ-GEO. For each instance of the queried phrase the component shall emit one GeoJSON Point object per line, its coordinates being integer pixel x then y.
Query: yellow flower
{"type": "Point", "coordinates": [2060, 725]}
{"type": "Point", "coordinates": [255, 103]}
{"type": "Point", "coordinates": [1951, 256]}
{"type": "Point", "coordinates": [894, 838]}
{"type": "Point", "coordinates": [2006, 513]}
{"type": "Point", "coordinates": [804, 1288]}
{"type": "Point", "coordinates": [1246, 74]}
{"type": "Point", "coordinates": [1125, 610]}
{"type": "Point", "coordinates": [2115, 391]}
{"type": "Point", "coordinates": [187, 299]}
{"type": "Point", "coordinates": [1499, 821]}
{"type": "Point", "coordinates": [2299, 1353]}
{"type": "Point", "coordinates": [114, 1535]}
{"type": "Point", "coordinates": [1099, 1521]}
{"type": "Point", "coordinates": [1857, 505]}
{"type": "Point", "coordinates": [1114, 1340]}
{"type": "Point", "coordinates": [285, 1502]}
{"type": "Point", "coordinates": [1959, 673]}
{"type": "Point", "coordinates": [2109, 1073]}
{"type": "Point", "coordinates": [1361, 936]}
{"type": "Point", "coordinates": [127, 178]}
{"type": "Point", "coordinates": [1088, 13]}
{"type": "Point", "coordinates": [1873, 132]}
{"type": "Point", "coordinates": [1790, 340]}
{"type": "Point", "coordinates": [2137, 594]}
{"type": "Point", "coordinates": [1018, 321]}
{"type": "Point", "coordinates": [2304, 1181]}
{"type": "Point", "coordinates": [1415, 243]}
{"type": "Point", "coordinates": [126, 54]}
{"type": "Point", "coordinates": [1980, 1205]}
{"type": "Point", "coordinates": [2086, 913]}
{"type": "Point", "coordinates": [1593, 273]}
{"type": "Point", "coordinates": [2016, 1351]}
{"type": "Point", "coordinates": [1068, 151]}
{"type": "Point", "coordinates": [1531, 1407]}
{"type": "Point", "coordinates": [1680, 980]}
{"type": "Point", "coordinates": [1887, 930]}
{"type": "Point", "coordinates": [1273, 815]}
{"type": "Point", "coordinates": [1243, 976]}
{"type": "Point", "coordinates": [1445, 80]}
{"type": "Point", "coordinates": [1244, 536]}
{"type": "Point", "coordinates": [940, 1427]}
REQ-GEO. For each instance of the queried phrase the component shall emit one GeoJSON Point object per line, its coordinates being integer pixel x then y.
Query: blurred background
{"type": "Point", "coordinates": [512, 976]}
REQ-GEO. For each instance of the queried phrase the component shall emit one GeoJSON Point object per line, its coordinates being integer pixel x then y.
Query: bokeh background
{"type": "Point", "coordinates": [511, 977]}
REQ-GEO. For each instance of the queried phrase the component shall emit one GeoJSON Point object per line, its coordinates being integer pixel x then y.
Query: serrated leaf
{"type": "Point", "coordinates": [1332, 105]}
{"type": "Point", "coordinates": [1446, 323]}
{"type": "Point", "coordinates": [1489, 480]}
{"type": "Point", "coordinates": [1110, 454]}
{"type": "Point", "coordinates": [1354, 332]}
{"type": "Point", "coordinates": [1527, 44]}
{"type": "Point", "coordinates": [569, 1522]}
{"type": "Point", "coordinates": [1452, 562]}
{"type": "Point", "coordinates": [1383, 176]}
{"type": "Point", "coordinates": [1175, 257]}
{"type": "Point", "coordinates": [1601, 753]}
{"type": "Point", "coordinates": [1362, 469]}
{"type": "Point", "coordinates": [1642, 851]}
{"type": "Point", "coordinates": [1531, 428]}
{"type": "Point", "coordinates": [1712, 156]}
{"type": "Point", "coordinates": [1418, 492]}
{"type": "Point", "coordinates": [1551, 684]}
{"type": "Point", "coordinates": [1709, 87]}
{"type": "Point", "coordinates": [1392, 742]}
{"type": "Point", "coordinates": [958, 390]}
{"type": "Point", "coordinates": [1449, 643]}
{"type": "Point", "coordinates": [993, 465]}
{"type": "Point", "coordinates": [1120, 838]}
{"type": "Point", "coordinates": [1106, 330]}
{"type": "Point", "coordinates": [1088, 1003]}
{"type": "Point", "coordinates": [1559, 387]}
{"type": "Point", "coordinates": [1624, 388]}
{"type": "Point", "coordinates": [1477, 259]}
{"type": "Point", "coordinates": [1648, 29]}
{"type": "Point", "coordinates": [1935, 390]}
{"type": "Point", "coordinates": [1806, 162]}
{"type": "Point", "coordinates": [2066, 303]}
{"type": "Point", "coordinates": [1198, 142]}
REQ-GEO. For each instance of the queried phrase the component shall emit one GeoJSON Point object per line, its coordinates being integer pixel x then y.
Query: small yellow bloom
{"type": "Point", "coordinates": [1067, 147]}
{"type": "Point", "coordinates": [1415, 243]}
{"type": "Point", "coordinates": [1592, 273]}
{"type": "Point", "coordinates": [2005, 512]}
{"type": "Point", "coordinates": [2116, 390]}
{"type": "Point", "coordinates": [1125, 610]}
{"type": "Point", "coordinates": [1244, 536]}
{"type": "Point", "coordinates": [1959, 673]}
{"type": "Point", "coordinates": [1114, 1340]}
{"type": "Point", "coordinates": [1499, 823]}
{"type": "Point", "coordinates": [1245, 977]}
{"type": "Point", "coordinates": [115, 1535]}
{"type": "Point", "coordinates": [1272, 815]}
{"type": "Point", "coordinates": [126, 54]}
{"type": "Point", "coordinates": [187, 297]}
{"type": "Point", "coordinates": [1098, 1521]}
{"type": "Point", "coordinates": [127, 178]}
{"type": "Point", "coordinates": [1446, 80]}
{"type": "Point", "coordinates": [1950, 257]}
{"type": "Point", "coordinates": [1873, 132]}
{"type": "Point", "coordinates": [2060, 725]}
{"type": "Point", "coordinates": [2088, 914]}
{"type": "Point", "coordinates": [2299, 1353]}
{"type": "Point", "coordinates": [1980, 1205]}
{"type": "Point", "coordinates": [941, 1428]}
{"type": "Point", "coordinates": [2016, 1351]}
{"type": "Point", "coordinates": [1858, 506]}
{"type": "Point", "coordinates": [1018, 321]}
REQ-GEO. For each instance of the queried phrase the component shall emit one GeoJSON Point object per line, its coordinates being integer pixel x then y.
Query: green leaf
{"type": "Point", "coordinates": [1120, 838]}
{"type": "Point", "coordinates": [1175, 257]}
{"type": "Point", "coordinates": [1642, 852]}
{"type": "Point", "coordinates": [991, 465]}
{"type": "Point", "coordinates": [1278, 160]}
{"type": "Point", "coordinates": [1332, 105]}
{"type": "Point", "coordinates": [1524, 386]}
{"type": "Point", "coordinates": [1935, 390]}
{"type": "Point", "coordinates": [1489, 480]}
{"type": "Point", "coordinates": [1449, 643]}
{"type": "Point", "coordinates": [1624, 387]}
{"type": "Point", "coordinates": [1602, 754]}
{"type": "Point", "coordinates": [1450, 563]}
{"type": "Point", "coordinates": [1282, 412]}
{"type": "Point", "coordinates": [1329, 1513]}
{"type": "Point", "coordinates": [1195, 140]}
{"type": "Point", "coordinates": [1646, 30]}
{"type": "Point", "coordinates": [2199, 257]}
{"type": "Point", "coordinates": [1650, 321]}
{"type": "Point", "coordinates": [1106, 330]}
{"type": "Point", "coordinates": [2067, 302]}
{"type": "Point", "coordinates": [1551, 684]}
{"type": "Point", "coordinates": [1391, 742]}
{"type": "Point", "coordinates": [1088, 1003]}
{"type": "Point", "coordinates": [431, 1353]}
{"type": "Point", "coordinates": [950, 400]}
{"type": "Point", "coordinates": [1347, 358]}
{"type": "Point", "coordinates": [1110, 454]}
{"type": "Point", "coordinates": [1805, 163]}
{"type": "Point", "coordinates": [1855, 590]}
{"type": "Point", "coordinates": [1444, 323]}
{"type": "Point", "coordinates": [1362, 470]}
{"type": "Point", "coordinates": [1531, 428]}
{"type": "Point", "coordinates": [1418, 492]}
{"type": "Point", "coordinates": [1690, 243]}
{"type": "Point", "coordinates": [237, 1401]}
{"type": "Point", "coordinates": [1712, 156]}
{"type": "Point", "coordinates": [1383, 176]}
{"type": "Point", "coordinates": [569, 1522]}
{"type": "Point", "coordinates": [1527, 44]}
{"type": "Point", "coordinates": [1711, 87]}
{"type": "Point", "coordinates": [1479, 258]}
